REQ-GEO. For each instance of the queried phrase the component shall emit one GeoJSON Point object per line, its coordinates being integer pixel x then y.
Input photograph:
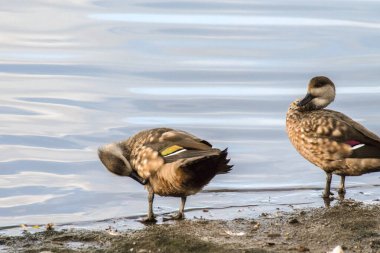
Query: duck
{"type": "Point", "coordinates": [168, 162]}
{"type": "Point", "coordinates": [329, 139]}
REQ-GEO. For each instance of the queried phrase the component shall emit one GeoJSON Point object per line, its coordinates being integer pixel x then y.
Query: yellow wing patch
{"type": "Point", "coordinates": [170, 150]}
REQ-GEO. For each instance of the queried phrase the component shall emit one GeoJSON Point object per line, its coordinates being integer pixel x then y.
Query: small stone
{"type": "Point", "coordinates": [204, 238]}
{"type": "Point", "coordinates": [256, 226]}
{"type": "Point", "coordinates": [303, 249]}
{"type": "Point", "coordinates": [337, 249]}
{"type": "Point", "coordinates": [293, 221]}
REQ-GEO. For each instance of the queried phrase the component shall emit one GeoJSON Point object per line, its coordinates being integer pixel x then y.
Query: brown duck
{"type": "Point", "coordinates": [168, 162]}
{"type": "Point", "coordinates": [329, 139]}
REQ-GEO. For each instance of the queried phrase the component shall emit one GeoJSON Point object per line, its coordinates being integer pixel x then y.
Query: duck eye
{"type": "Point", "coordinates": [319, 85]}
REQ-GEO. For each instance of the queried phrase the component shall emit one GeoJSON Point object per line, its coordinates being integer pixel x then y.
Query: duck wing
{"type": "Point", "coordinates": [363, 142]}
{"type": "Point", "coordinates": [189, 154]}
{"type": "Point", "coordinates": [175, 142]}
{"type": "Point", "coordinates": [185, 140]}
{"type": "Point", "coordinates": [177, 145]}
{"type": "Point", "coordinates": [369, 137]}
{"type": "Point", "coordinates": [156, 147]}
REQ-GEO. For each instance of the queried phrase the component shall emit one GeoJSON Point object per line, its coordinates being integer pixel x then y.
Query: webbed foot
{"type": "Point", "coordinates": [149, 220]}
{"type": "Point", "coordinates": [178, 216]}
{"type": "Point", "coordinates": [326, 195]}
{"type": "Point", "coordinates": [342, 195]}
{"type": "Point", "coordinates": [341, 191]}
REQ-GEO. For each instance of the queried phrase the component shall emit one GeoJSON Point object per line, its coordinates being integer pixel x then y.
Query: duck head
{"type": "Point", "coordinates": [113, 159]}
{"type": "Point", "coordinates": [320, 93]}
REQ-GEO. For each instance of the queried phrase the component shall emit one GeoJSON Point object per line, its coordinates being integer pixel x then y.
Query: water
{"type": "Point", "coordinates": [79, 74]}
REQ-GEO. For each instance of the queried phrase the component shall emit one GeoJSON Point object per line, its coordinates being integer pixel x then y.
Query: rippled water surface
{"type": "Point", "coordinates": [78, 74]}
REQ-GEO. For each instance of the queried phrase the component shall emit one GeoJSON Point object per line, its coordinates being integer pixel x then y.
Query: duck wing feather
{"type": "Point", "coordinates": [363, 142]}
{"type": "Point", "coordinates": [178, 139]}
{"type": "Point", "coordinates": [152, 147]}
{"type": "Point", "coordinates": [369, 137]}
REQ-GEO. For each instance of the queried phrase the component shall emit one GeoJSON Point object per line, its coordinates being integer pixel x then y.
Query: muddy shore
{"type": "Point", "coordinates": [352, 225]}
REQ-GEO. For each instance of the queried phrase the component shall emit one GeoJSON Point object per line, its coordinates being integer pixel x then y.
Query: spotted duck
{"type": "Point", "coordinates": [329, 139]}
{"type": "Point", "coordinates": [168, 162]}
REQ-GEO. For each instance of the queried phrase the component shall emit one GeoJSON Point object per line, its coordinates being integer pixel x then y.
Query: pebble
{"type": "Point", "coordinates": [337, 249]}
{"type": "Point", "coordinates": [293, 221]}
{"type": "Point", "coordinates": [303, 249]}
{"type": "Point", "coordinates": [274, 235]}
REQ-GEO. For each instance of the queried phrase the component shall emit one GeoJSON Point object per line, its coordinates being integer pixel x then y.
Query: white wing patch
{"type": "Point", "coordinates": [358, 146]}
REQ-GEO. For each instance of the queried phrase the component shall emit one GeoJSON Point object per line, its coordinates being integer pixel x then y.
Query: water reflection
{"type": "Point", "coordinates": [230, 20]}
{"type": "Point", "coordinates": [13, 201]}
{"type": "Point", "coordinates": [50, 69]}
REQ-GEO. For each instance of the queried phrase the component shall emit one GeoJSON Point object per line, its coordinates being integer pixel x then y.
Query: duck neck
{"type": "Point", "coordinates": [310, 107]}
{"type": "Point", "coordinates": [125, 148]}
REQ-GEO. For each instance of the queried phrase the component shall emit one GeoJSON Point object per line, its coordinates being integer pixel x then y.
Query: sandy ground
{"type": "Point", "coordinates": [353, 225]}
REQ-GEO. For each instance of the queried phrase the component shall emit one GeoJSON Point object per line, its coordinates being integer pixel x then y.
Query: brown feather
{"type": "Point", "coordinates": [365, 135]}
{"type": "Point", "coordinates": [180, 174]}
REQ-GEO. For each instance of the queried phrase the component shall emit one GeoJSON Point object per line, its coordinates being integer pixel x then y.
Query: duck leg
{"type": "Point", "coordinates": [342, 187]}
{"type": "Point", "coordinates": [181, 213]}
{"type": "Point", "coordinates": [327, 192]}
{"type": "Point", "coordinates": [151, 217]}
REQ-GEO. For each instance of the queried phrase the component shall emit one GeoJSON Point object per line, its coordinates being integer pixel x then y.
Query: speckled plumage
{"type": "Point", "coordinates": [329, 138]}
{"type": "Point", "coordinates": [172, 162]}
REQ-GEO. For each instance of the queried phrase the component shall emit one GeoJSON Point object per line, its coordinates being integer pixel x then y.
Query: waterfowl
{"type": "Point", "coordinates": [329, 139]}
{"type": "Point", "coordinates": [168, 162]}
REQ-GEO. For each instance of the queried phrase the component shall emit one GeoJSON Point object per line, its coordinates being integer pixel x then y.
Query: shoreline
{"type": "Point", "coordinates": [353, 225]}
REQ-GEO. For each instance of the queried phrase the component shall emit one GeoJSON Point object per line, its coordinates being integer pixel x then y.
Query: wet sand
{"type": "Point", "coordinates": [353, 225]}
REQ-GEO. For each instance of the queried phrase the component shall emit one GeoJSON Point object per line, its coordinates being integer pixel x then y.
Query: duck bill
{"type": "Point", "coordinates": [305, 100]}
{"type": "Point", "coordinates": [139, 179]}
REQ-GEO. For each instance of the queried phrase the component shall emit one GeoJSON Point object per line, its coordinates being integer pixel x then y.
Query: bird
{"type": "Point", "coordinates": [329, 139]}
{"type": "Point", "coordinates": [167, 162]}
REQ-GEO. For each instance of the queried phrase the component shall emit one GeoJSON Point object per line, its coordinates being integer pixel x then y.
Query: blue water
{"type": "Point", "coordinates": [75, 75]}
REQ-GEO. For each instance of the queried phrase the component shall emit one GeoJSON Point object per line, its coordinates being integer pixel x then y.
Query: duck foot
{"type": "Point", "coordinates": [327, 201]}
{"type": "Point", "coordinates": [342, 195]}
{"type": "Point", "coordinates": [326, 195]}
{"type": "Point", "coordinates": [148, 220]}
{"type": "Point", "coordinates": [341, 191]}
{"type": "Point", "coordinates": [178, 216]}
